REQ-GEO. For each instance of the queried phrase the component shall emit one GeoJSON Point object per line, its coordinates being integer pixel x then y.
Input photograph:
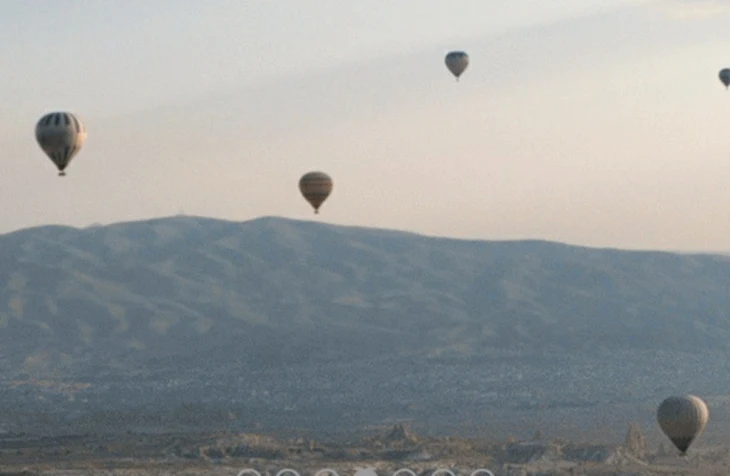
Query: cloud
{"type": "Point", "coordinates": [693, 9]}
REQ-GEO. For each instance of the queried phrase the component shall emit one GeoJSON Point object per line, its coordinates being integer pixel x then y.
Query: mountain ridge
{"type": "Point", "coordinates": [292, 323]}
{"type": "Point", "coordinates": [370, 229]}
{"type": "Point", "coordinates": [193, 276]}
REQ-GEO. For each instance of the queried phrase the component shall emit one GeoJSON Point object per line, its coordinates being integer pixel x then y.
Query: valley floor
{"type": "Point", "coordinates": [230, 454]}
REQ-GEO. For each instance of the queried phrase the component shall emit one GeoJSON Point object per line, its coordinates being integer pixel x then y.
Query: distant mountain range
{"type": "Point", "coordinates": [144, 301]}
{"type": "Point", "coordinates": [278, 289]}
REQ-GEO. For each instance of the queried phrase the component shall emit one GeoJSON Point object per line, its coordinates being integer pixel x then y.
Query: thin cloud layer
{"type": "Point", "coordinates": [694, 9]}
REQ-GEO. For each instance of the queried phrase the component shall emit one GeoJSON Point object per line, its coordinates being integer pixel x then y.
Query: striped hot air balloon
{"type": "Point", "coordinates": [682, 419]}
{"type": "Point", "coordinates": [61, 135]}
{"type": "Point", "coordinates": [315, 187]}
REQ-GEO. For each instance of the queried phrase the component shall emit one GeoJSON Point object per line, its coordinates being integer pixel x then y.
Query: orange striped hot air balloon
{"type": "Point", "coordinates": [315, 187]}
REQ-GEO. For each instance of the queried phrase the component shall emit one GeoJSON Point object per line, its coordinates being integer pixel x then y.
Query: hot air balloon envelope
{"type": "Point", "coordinates": [61, 136]}
{"type": "Point", "coordinates": [682, 419]}
{"type": "Point", "coordinates": [725, 77]}
{"type": "Point", "coordinates": [315, 187]}
{"type": "Point", "coordinates": [456, 62]}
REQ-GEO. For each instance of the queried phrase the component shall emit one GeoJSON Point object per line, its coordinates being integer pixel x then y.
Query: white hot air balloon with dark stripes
{"type": "Point", "coordinates": [682, 419]}
{"type": "Point", "coordinates": [61, 135]}
{"type": "Point", "coordinates": [725, 77]}
{"type": "Point", "coordinates": [456, 62]}
{"type": "Point", "coordinates": [315, 187]}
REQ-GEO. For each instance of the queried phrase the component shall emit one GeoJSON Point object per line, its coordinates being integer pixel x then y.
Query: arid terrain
{"type": "Point", "coordinates": [197, 346]}
{"type": "Point", "coordinates": [399, 448]}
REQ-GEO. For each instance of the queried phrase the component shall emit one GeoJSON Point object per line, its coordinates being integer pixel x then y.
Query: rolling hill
{"type": "Point", "coordinates": [282, 289]}
{"type": "Point", "coordinates": [205, 307]}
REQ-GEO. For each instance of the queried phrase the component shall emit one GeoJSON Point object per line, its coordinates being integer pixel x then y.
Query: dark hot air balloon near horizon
{"type": "Point", "coordinates": [61, 136]}
{"type": "Point", "coordinates": [725, 77]}
{"type": "Point", "coordinates": [682, 419]}
{"type": "Point", "coordinates": [315, 187]}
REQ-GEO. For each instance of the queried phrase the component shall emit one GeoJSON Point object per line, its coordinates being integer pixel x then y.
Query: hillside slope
{"type": "Point", "coordinates": [274, 289]}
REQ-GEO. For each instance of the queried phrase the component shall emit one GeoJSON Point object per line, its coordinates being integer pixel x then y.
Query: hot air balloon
{"type": "Point", "coordinates": [682, 419]}
{"type": "Point", "coordinates": [725, 77]}
{"type": "Point", "coordinates": [457, 61]}
{"type": "Point", "coordinates": [315, 187]}
{"type": "Point", "coordinates": [61, 135]}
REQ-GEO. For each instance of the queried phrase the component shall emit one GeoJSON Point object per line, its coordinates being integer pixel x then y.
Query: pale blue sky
{"type": "Point", "coordinates": [596, 122]}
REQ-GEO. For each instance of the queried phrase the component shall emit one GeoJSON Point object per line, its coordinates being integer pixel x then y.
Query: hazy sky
{"type": "Point", "coordinates": [597, 122]}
